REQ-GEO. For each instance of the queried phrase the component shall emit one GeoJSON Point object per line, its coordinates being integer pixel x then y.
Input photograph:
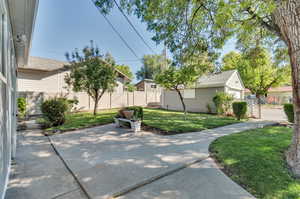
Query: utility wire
{"type": "Point", "coordinates": [116, 31]}
{"type": "Point", "coordinates": [133, 27]}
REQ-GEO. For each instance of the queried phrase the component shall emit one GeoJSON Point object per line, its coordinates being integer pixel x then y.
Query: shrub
{"type": "Point", "coordinates": [209, 109]}
{"type": "Point", "coordinates": [289, 111]}
{"type": "Point", "coordinates": [239, 109]}
{"type": "Point", "coordinates": [222, 102]}
{"type": "Point", "coordinates": [54, 110]}
{"type": "Point", "coordinates": [21, 106]}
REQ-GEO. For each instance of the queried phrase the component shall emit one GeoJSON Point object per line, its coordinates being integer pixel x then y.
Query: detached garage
{"type": "Point", "coordinates": [200, 96]}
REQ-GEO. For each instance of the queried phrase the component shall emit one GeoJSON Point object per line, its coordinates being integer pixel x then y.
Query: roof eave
{"type": "Point", "coordinates": [22, 17]}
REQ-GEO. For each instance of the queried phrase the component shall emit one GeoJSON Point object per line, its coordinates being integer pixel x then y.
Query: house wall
{"type": "Point", "coordinates": [235, 82]}
{"type": "Point", "coordinates": [39, 81]}
{"type": "Point", "coordinates": [7, 96]}
{"type": "Point", "coordinates": [237, 94]}
{"type": "Point", "coordinates": [203, 96]}
{"type": "Point", "coordinates": [51, 82]}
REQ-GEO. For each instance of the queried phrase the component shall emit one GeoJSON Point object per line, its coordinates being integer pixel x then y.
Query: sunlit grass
{"type": "Point", "coordinates": [170, 121]}
{"type": "Point", "coordinates": [173, 121]}
{"type": "Point", "coordinates": [255, 159]}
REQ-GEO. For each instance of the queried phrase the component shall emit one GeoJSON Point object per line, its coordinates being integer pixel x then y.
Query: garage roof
{"type": "Point", "coordinates": [215, 79]}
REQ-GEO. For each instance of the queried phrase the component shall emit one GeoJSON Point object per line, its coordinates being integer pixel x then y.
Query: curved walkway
{"type": "Point", "coordinates": [112, 162]}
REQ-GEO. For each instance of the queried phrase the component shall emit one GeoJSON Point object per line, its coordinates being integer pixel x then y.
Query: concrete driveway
{"type": "Point", "coordinates": [113, 162]}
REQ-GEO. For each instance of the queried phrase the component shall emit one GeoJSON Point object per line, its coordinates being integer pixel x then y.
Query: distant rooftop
{"type": "Point", "coordinates": [44, 64]}
{"type": "Point", "coordinates": [277, 89]}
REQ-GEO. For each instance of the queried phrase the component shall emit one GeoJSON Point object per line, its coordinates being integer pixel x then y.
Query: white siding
{"type": "Point", "coordinates": [198, 104]}
{"type": "Point", "coordinates": [234, 82]}
{"type": "Point", "coordinates": [35, 81]}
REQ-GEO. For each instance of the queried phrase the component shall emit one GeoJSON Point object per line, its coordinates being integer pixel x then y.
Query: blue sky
{"type": "Point", "coordinates": [63, 25]}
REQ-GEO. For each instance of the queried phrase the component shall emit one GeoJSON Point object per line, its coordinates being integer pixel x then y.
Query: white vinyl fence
{"type": "Point", "coordinates": [86, 103]}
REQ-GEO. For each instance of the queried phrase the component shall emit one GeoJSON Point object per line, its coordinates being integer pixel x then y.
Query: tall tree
{"type": "Point", "coordinates": [90, 73]}
{"type": "Point", "coordinates": [152, 65]}
{"type": "Point", "coordinates": [191, 68]}
{"type": "Point", "coordinates": [209, 23]}
{"type": "Point", "coordinates": [257, 69]}
{"type": "Point", "coordinates": [177, 78]}
{"type": "Point", "coordinates": [231, 60]}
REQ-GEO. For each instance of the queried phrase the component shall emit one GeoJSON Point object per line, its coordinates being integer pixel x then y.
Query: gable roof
{"type": "Point", "coordinates": [47, 65]}
{"type": "Point", "coordinates": [44, 64]}
{"type": "Point", "coordinates": [144, 80]}
{"type": "Point", "coordinates": [216, 79]}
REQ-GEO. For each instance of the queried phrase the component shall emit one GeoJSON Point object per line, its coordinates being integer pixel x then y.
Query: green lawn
{"type": "Point", "coordinates": [86, 119]}
{"type": "Point", "coordinates": [167, 121]}
{"type": "Point", "coordinates": [255, 160]}
{"type": "Point", "coordinates": [173, 121]}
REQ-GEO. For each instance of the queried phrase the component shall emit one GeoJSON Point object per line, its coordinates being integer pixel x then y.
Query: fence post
{"type": "Point", "coordinates": [110, 100]}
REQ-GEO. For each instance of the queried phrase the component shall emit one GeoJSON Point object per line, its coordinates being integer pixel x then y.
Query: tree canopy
{"type": "Point", "coordinates": [208, 24]}
{"type": "Point", "coordinates": [257, 69]}
{"type": "Point", "coordinates": [90, 73]}
{"type": "Point", "coordinates": [152, 65]}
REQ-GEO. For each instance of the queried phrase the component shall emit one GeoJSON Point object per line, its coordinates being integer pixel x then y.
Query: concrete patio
{"type": "Point", "coordinates": [113, 162]}
{"type": "Point", "coordinates": [106, 162]}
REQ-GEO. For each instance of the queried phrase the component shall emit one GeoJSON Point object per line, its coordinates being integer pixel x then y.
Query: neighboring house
{"type": "Point", "coordinates": [47, 75]}
{"type": "Point", "coordinates": [147, 85]}
{"type": "Point", "coordinates": [278, 95]}
{"type": "Point", "coordinates": [199, 97]}
{"type": "Point", "coordinates": [16, 22]}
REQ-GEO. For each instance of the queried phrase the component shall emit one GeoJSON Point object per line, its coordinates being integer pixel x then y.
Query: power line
{"type": "Point", "coordinates": [133, 27]}
{"type": "Point", "coordinates": [115, 30]}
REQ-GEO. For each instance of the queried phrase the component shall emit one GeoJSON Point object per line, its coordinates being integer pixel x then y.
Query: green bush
{"type": "Point", "coordinates": [54, 110]}
{"type": "Point", "coordinates": [138, 112]}
{"type": "Point", "coordinates": [239, 109]}
{"type": "Point", "coordinates": [289, 111]}
{"type": "Point", "coordinates": [21, 106]}
{"type": "Point", "coordinates": [222, 102]}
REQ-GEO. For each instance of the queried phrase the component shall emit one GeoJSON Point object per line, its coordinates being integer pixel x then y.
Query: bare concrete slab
{"type": "Point", "coordinates": [108, 161]}
{"type": "Point", "coordinates": [201, 180]}
{"type": "Point", "coordinates": [38, 172]}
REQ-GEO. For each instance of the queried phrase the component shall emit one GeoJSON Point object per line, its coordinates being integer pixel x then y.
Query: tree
{"type": "Point", "coordinates": [210, 23]}
{"type": "Point", "coordinates": [152, 65]}
{"type": "Point", "coordinates": [257, 70]}
{"type": "Point", "coordinates": [90, 73]}
{"type": "Point", "coordinates": [231, 60]}
{"type": "Point", "coordinates": [176, 78]}
{"type": "Point", "coordinates": [125, 70]}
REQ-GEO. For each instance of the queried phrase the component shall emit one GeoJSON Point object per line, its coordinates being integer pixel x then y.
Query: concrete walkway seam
{"type": "Point", "coordinates": [69, 169]}
{"type": "Point", "coordinates": [155, 178]}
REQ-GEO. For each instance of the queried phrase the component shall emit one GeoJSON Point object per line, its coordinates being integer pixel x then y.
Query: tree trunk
{"type": "Point", "coordinates": [287, 18]}
{"type": "Point", "coordinates": [96, 105]}
{"type": "Point", "coordinates": [259, 106]}
{"type": "Point", "coordinates": [182, 102]}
